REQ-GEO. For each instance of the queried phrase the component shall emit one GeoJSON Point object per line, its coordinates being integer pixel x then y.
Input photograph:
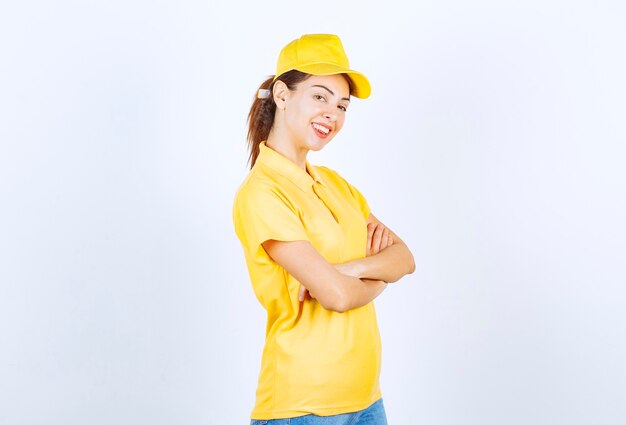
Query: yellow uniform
{"type": "Point", "coordinates": [315, 360]}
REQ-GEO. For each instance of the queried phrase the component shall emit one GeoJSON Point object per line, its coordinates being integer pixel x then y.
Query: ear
{"type": "Point", "coordinates": [280, 93]}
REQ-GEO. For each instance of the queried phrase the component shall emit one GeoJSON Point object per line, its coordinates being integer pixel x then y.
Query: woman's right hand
{"type": "Point", "coordinates": [378, 238]}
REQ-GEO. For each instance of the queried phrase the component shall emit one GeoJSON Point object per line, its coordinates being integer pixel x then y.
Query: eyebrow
{"type": "Point", "coordinates": [330, 91]}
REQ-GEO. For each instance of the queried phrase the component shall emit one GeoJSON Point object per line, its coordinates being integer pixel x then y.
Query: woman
{"type": "Point", "coordinates": [316, 255]}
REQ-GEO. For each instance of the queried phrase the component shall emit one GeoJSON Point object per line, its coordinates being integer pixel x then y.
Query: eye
{"type": "Point", "coordinates": [343, 108]}
{"type": "Point", "coordinates": [319, 97]}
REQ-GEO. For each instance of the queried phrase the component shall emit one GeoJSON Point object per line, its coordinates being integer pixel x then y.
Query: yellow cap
{"type": "Point", "coordinates": [321, 54]}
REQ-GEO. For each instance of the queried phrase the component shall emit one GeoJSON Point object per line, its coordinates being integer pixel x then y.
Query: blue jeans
{"type": "Point", "coordinates": [373, 415]}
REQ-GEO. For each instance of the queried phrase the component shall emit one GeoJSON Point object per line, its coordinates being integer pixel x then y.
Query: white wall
{"type": "Point", "coordinates": [493, 143]}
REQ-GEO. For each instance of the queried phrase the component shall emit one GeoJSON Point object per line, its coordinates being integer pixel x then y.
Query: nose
{"type": "Point", "coordinates": [330, 116]}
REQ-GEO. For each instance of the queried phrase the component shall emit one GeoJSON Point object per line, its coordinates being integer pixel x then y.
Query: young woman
{"type": "Point", "coordinates": [316, 255]}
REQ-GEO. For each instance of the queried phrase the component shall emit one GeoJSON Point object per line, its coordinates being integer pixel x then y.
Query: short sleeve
{"type": "Point", "coordinates": [261, 214]}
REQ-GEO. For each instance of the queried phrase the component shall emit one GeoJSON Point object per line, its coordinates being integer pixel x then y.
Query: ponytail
{"type": "Point", "coordinates": [262, 111]}
{"type": "Point", "coordinates": [260, 120]}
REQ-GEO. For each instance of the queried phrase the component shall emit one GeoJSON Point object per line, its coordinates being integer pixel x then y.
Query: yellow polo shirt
{"type": "Point", "coordinates": [315, 360]}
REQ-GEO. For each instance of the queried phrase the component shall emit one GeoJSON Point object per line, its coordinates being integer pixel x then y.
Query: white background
{"type": "Point", "coordinates": [493, 144]}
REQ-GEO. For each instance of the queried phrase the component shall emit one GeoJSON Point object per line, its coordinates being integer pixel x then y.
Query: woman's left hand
{"type": "Point", "coordinates": [304, 294]}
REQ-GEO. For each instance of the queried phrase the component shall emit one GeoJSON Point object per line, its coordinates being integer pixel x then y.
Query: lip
{"type": "Point", "coordinates": [330, 129]}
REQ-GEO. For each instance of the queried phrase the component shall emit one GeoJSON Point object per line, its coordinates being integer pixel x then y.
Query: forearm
{"type": "Point", "coordinates": [359, 292]}
{"type": "Point", "coordinates": [389, 265]}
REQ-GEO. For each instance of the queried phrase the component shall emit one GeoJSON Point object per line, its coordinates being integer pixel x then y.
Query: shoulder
{"type": "Point", "coordinates": [330, 176]}
{"type": "Point", "coordinates": [259, 194]}
{"type": "Point", "coordinates": [334, 179]}
{"type": "Point", "coordinates": [257, 181]}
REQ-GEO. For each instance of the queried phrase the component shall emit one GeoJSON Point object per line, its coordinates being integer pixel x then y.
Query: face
{"type": "Point", "coordinates": [315, 111]}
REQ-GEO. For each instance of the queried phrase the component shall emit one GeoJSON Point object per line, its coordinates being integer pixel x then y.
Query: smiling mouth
{"type": "Point", "coordinates": [320, 130]}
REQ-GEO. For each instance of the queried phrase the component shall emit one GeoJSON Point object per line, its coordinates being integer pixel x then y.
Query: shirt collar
{"type": "Point", "coordinates": [288, 169]}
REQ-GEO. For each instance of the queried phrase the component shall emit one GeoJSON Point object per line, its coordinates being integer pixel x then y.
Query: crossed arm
{"type": "Point", "coordinates": [341, 287]}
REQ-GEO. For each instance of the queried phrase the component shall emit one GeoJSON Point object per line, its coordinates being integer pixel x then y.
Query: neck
{"type": "Point", "coordinates": [284, 146]}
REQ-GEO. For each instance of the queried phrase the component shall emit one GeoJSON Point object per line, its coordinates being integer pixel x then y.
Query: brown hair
{"type": "Point", "coordinates": [261, 115]}
{"type": "Point", "coordinates": [262, 111]}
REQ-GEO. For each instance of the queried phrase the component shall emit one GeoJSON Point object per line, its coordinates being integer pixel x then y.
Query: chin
{"type": "Point", "coordinates": [317, 145]}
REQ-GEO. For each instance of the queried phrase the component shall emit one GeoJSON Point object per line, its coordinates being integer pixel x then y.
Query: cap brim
{"type": "Point", "coordinates": [362, 88]}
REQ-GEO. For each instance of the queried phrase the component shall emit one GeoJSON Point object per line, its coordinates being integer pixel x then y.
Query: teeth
{"type": "Point", "coordinates": [321, 128]}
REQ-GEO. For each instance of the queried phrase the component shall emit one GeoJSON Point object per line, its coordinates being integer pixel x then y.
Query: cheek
{"type": "Point", "coordinates": [295, 119]}
{"type": "Point", "coordinates": [340, 121]}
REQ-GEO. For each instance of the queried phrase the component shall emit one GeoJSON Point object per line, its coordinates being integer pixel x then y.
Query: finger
{"type": "Point", "coordinates": [374, 245]}
{"type": "Point", "coordinates": [370, 229]}
{"type": "Point", "coordinates": [389, 240]}
{"type": "Point", "coordinates": [384, 240]}
{"type": "Point", "coordinates": [370, 232]}
{"type": "Point", "coordinates": [302, 293]}
{"type": "Point", "coordinates": [376, 238]}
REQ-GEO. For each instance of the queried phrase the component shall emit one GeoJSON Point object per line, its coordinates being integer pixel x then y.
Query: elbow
{"type": "Point", "coordinates": [338, 306]}
{"type": "Point", "coordinates": [341, 307]}
{"type": "Point", "coordinates": [410, 262]}
{"type": "Point", "coordinates": [406, 263]}
{"type": "Point", "coordinates": [337, 302]}
{"type": "Point", "coordinates": [407, 267]}
{"type": "Point", "coordinates": [411, 265]}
